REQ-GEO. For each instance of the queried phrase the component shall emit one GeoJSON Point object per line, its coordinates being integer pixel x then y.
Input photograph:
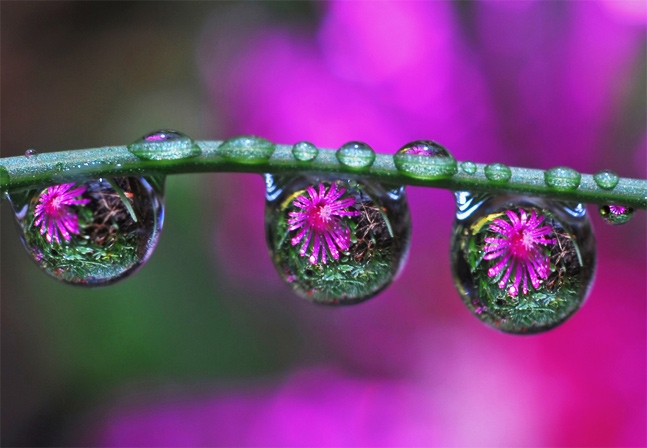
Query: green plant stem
{"type": "Point", "coordinates": [114, 161]}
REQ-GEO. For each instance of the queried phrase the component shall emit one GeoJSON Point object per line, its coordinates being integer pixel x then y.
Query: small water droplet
{"type": "Point", "coordinates": [498, 172]}
{"type": "Point", "coordinates": [562, 178]}
{"type": "Point", "coordinates": [521, 265]}
{"type": "Point", "coordinates": [336, 241]}
{"type": "Point", "coordinates": [616, 214]}
{"type": "Point", "coordinates": [606, 179]}
{"type": "Point", "coordinates": [93, 232]}
{"type": "Point", "coordinates": [31, 153]}
{"type": "Point", "coordinates": [304, 151]}
{"type": "Point", "coordinates": [468, 167]}
{"type": "Point", "coordinates": [165, 145]}
{"type": "Point", "coordinates": [425, 159]}
{"type": "Point", "coordinates": [247, 149]}
{"type": "Point", "coordinates": [356, 155]}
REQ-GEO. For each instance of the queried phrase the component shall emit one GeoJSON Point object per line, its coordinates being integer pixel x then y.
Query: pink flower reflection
{"type": "Point", "coordinates": [53, 213]}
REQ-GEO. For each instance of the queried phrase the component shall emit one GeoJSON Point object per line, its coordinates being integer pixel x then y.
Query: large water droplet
{"type": "Point", "coordinates": [336, 241]}
{"type": "Point", "coordinates": [356, 155]}
{"type": "Point", "coordinates": [93, 232]}
{"type": "Point", "coordinates": [616, 214]}
{"type": "Point", "coordinates": [562, 178]}
{"type": "Point", "coordinates": [31, 153]}
{"type": "Point", "coordinates": [606, 179]}
{"type": "Point", "coordinates": [304, 151]}
{"type": "Point", "coordinates": [498, 172]}
{"type": "Point", "coordinates": [469, 167]}
{"type": "Point", "coordinates": [425, 159]}
{"type": "Point", "coordinates": [521, 265]}
{"type": "Point", "coordinates": [247, 149]}
{"type": "Point", "coordinates": [165, 145]}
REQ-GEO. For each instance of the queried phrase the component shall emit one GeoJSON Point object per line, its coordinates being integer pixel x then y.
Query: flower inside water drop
{"type": "Point", "coordinates": [336, 241]}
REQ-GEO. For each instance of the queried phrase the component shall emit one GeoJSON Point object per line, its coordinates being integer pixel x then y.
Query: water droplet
{"type": "Point", "coordinates": [247, 149]}
{"type": "Point", "coordinates": [425, 159]}
{"type": "Point", "coordinates": [165, 145]}
{"type": "Point", "coordinates": [606, 179]}
{"type": "Point", "coordinates": [468, 167]}
{"type": "Point", "coordinates": [356, 155]}
{"type": "Point", "coordinates": [336, 241]}
{"type": "Point", "coordinates": [562, 178]}
{"type": "Point", "coordinates": [304, 151]}
{"type": "Point", "coordinates": [93, 232]}
{"type": "Point", "coordinates": [30, 153]}
{"type": "Point", "coordinates": [498, 172]}
{"type": "Point", "coordinates": [521, 265]}
{"type": "Point", "coordinates": [616, 214]}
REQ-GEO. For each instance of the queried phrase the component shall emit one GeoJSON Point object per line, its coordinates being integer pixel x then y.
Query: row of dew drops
{"type": "Point", "coordinates": [521, 265]}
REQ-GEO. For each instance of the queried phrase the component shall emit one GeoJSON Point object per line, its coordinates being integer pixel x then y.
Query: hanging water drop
{"type": "Point", "coordinates": [247, 149]}
{"type": "Point", "coordinates": [468, 167]}
{"type": "Point", "coordinates": [93, 232]}
{"type": "Point", "coordinates": [336, 241]}
{"type": "Point", "coordinates": [497, 172]}
{"type": "Point", "coordinates": [425, 159]}
{"type": "Point", "coordinates": [165, 145]}
{"type": "Point", "coordinates": [31, 153]}
{"type": "Point", "coordinates": [521, 265]}
{"type": "Point", "coordinates": [356, 155]}
{"type": "Point", "coordinates": [606, 179]}
{"type": "Point", "coordinates": [562, 178]}
{"type": "Point", "coordinates": [616, 214]}
{"type": "Point", "coordinates": [305, 151]}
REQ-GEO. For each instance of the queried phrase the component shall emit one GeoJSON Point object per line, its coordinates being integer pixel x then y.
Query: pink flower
{"type": "Point", "coordinates": [53, 213]}
{"type": "Point", "coordinates": [320, 221]}
{"type": "Point", "coordinates": [518, 249]}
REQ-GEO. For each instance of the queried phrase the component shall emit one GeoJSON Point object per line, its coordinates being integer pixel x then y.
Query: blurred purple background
{"type": "Point", "coordinates": [223, 354]}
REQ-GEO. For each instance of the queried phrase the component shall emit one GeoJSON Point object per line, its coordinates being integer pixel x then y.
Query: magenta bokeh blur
{"type": "Point", "coordinates": [536, 84]}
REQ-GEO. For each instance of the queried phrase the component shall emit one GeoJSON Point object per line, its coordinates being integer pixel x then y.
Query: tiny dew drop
{"type": "Point", "coordinates": [92, 232]}
{"type": "Point", "coordinates": [521, 265]}
{"type": "Point", "coordinates": [247, 149]}
{"type": "Point", "coordinates": [356, 155]}
{"type": "Point", "coordinates": [498, 172]}
{"type": "Point", "coordinates": [562, 178]}
{"type": "Point", "coordinates": [336, 241]}
{"type": "Point", "coordinates": [468, 167]}
{"type": "Point", "coordinates": [31, 153]}
{"type": "Point", "coordinates": [616, 214]}
{"type": "Point", "coordinates": [165, 145]}
{"type": "Point", "coordinates": [606, 179]}
{"type": "Point", "coordinates": [305, 151]}
{"type": "Point", "coordinates": [425, 159]}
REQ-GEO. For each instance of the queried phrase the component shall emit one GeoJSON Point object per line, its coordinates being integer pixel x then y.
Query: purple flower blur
{"type": "Point", "coordinates": [518, 249]}
{"type": "Point", "coordinates": [320, 221]}
{"type": "Point", "coordinates": [53, 213]}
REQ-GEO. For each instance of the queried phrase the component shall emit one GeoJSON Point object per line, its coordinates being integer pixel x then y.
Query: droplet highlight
{"type": "Point", "coordinates": [497, 172]}
{"type": "Point", "coordinates": [606, 179]}
{"type": "Point", "coordinates": [468, 167]}
{"type": "Point", "coordinates": [356, 155]}
{"type": "Point", "coordinates": [165, 145]}
{"type": "Point", "coordinates": [247, 149]}
{"type": "Point", "coordinates": [521, 265]}
{"type": "Point", "coordinates": [425, 159]}
{"type": "Point", "coordinates": [305, 151]}
{"type": "Point", "coordinates": [93, 232]}
{"type": "Point", "coordinates": [616, 214]}
{"type": "Point", "coordinates": [31, 153]}
{"type": "Point", "coordinates": [336, 241]}
{"type": "Point", "coordinates": [562, 178]}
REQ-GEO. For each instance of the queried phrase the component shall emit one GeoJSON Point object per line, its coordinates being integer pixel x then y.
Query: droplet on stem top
{"type": "Point", "coordinates": [498, 172]}
{"type": "Point", "coordinates": [356, 155]}
{"type": "Point", "coordinates": [93, 232]}
{"type": "Point", "coordinates": [606, 179]}
{"type": "Point", "coordinates": [336, 241]}
{"type": "Point", "coordinates": [31, 153]}
{"type": "Point", "coordinates": [522, 265]}
{"type": "Point", "coordinates": [616, 214]}
{"type": "Point", "coordinates": [247, 149]}
{"type": "Point", "coordinates": [165, 145]}
{"type": "Point", "coordinates": [468, 167]}
{"type": "Point", "coordinates": [305, 151]}
{"type": "Point", "coordinates": [425, 159]}
{"type": "Point", "coordinates": [562, 178]}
